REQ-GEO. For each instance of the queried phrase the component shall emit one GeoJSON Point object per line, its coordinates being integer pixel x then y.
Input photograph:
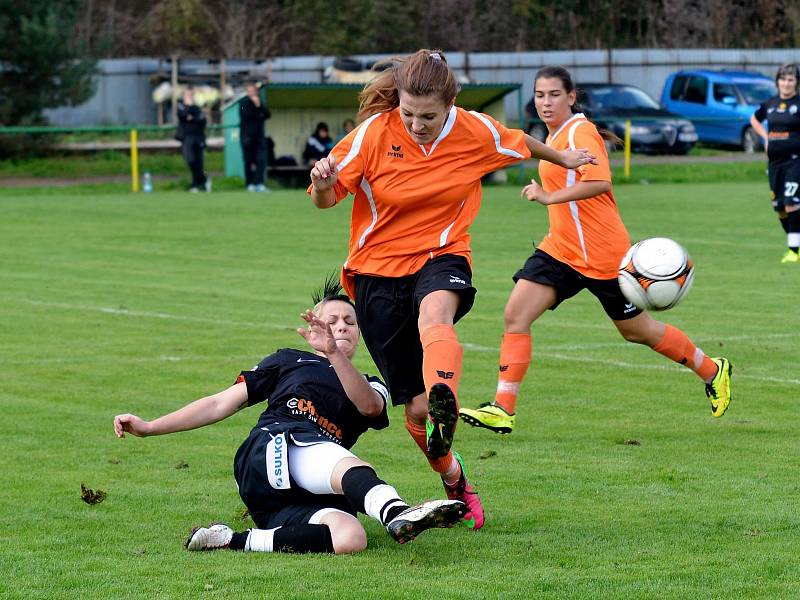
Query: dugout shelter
{"type": "Point", "coordinates": [298, 107]}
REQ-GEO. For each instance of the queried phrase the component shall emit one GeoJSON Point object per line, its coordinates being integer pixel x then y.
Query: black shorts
{"type": "Point", "coordinates": [269, 506]}
{"type": "Point", "coordinates": [784, 181]}
{"type": "Point", "coordinates": [388, 309]}
{"type": "Point", "coordinates": [543, 268]}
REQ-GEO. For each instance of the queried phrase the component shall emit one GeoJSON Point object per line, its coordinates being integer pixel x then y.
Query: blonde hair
{"type": "Point", "coordinates": [424, 73]}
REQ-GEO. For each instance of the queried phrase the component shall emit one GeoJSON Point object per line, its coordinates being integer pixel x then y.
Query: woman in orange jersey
{"type": "Point", "coordinates": [583, 249]}
{"type": "Point", "coordinates": [414, 165]}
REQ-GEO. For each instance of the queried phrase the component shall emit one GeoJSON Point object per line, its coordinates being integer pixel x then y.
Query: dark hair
{"type": "Point", "coordinates": [330, 290]}
{"type": "Point", "coordinates": [789, 69]}
{"type": "Point", "coordinates": [424, 73]}
{"type": "Point", "coordinates": [566, 81]}
{"type": "Point", "coordinates": [321, 125]}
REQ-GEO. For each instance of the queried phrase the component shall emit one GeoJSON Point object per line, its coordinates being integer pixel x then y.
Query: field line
{"type": "Point", "coordinates": [628, 365]}
{"type": "Point", "coordinates": [156, 315]}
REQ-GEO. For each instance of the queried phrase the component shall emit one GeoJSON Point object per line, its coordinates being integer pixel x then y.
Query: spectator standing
{"type": "Point", "coordinates": [191, 133]}
{"type": "Point", "coordinates": [252, 115]}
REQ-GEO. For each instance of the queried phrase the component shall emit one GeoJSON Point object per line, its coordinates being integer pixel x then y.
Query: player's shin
{"type": "Point", "coordinates": [515, 358]}
{"type": "Point", "coordinates": [370, 495]}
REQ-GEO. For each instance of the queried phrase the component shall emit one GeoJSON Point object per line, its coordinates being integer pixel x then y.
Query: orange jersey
{"type": "Point", "coordinates": [588, 234]}
{"type": "Point", "coordinates": [412, 202]}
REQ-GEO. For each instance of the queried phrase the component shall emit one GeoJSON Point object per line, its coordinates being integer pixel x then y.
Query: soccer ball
{"type": "Point", "coordinates": [656, 274]}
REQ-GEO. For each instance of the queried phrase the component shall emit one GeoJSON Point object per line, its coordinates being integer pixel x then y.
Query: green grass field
{"type": "Point", "coordinates": [113, 303]}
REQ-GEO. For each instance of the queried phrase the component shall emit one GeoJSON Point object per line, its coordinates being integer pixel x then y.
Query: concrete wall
{"type": "Point", "coordinates": [124, 85]}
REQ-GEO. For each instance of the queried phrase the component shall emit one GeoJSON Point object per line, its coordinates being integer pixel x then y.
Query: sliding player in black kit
{"type": "Point", "coordinates": [295, 472]}
{"type": "Point", "coordinates": [782, 139]}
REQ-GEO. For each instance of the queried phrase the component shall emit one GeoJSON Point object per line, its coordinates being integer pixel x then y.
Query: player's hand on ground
{"type": "Point", "coordinates": [318, 335]}
{"type": "Point", "coordinates": [534, 192]}
{"type": "Point", "coordinates": [129, 423]}
{"type": "Point", "coordinates": [324, 173]}
{"type": "Point", "coordinates": [575, 158]}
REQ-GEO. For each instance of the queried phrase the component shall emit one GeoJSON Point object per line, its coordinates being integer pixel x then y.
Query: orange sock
{"type": "Point", "coordinates": [515, 357]}
{"type": "Point", "coordinates": [442, 355]}
{"type": "Point", "coordinates": [442, 464]}
{"type": "Point", "coordinates": [677, 346]}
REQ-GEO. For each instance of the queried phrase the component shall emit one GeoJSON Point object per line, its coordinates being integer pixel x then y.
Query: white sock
{"type": "Point", "coordinates": [453, 473]}
{"type": "Point", "coordinates": [793, 240]}
{"type": "Point", "coordinates": [379, 499]}
{"type": "Point", "coordinates": [260, 540]}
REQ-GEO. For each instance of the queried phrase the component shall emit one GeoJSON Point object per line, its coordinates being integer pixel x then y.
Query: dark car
{"type": "Point", "coordinates": [653, 129]}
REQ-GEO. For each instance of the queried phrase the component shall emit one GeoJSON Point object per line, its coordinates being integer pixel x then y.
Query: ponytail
{"type": "Point", "coordinates": [424, 73]}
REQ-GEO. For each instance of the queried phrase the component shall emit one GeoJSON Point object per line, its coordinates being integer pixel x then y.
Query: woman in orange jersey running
{"type": "Point", "coordinates": [583, 249]}
{"type": "Point", "coordinates": [414, 165]}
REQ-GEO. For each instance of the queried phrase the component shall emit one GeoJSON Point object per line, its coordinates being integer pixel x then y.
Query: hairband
{"type": "Point", "coordinates": [435, 56]}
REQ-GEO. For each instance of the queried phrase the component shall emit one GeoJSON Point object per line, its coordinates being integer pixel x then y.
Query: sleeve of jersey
{"type": "Point", "coordinates": [261, 380]}
{"type": "Point", "coordinates": [382, 420]}
{"type": "Point", "coordinates": [586, 136]}
{"type": "Point", "coordinates": [501, 146]}
{"type": "Point", "coordinates": [350, 162]}
{"type": "Point", "coordinates": [761, 113]}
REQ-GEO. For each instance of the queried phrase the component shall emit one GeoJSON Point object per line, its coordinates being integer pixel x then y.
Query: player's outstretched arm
{"type": "Point", "coordinates": [580, 191]}
{"type": "Point", "coordinates": [324, 175]}
{"type": "Point", "coordinates": [320, 337]}
{"type": "Point", "coordinates": [195, 414]}
{"type": "Point", "coordinates": [569, 159]}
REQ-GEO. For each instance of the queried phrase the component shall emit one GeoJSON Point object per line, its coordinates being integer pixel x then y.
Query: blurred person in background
{"type": "Point", "coordinates": [253, 113]}
{"type": "Point", "coordinates": [191, 133]}
{"type": "Point", "coordinates": [782, 141]}
{"type": "Point", "coordinates": [347, 126]}
{"type": "Point", "coordinates": [318, 146]}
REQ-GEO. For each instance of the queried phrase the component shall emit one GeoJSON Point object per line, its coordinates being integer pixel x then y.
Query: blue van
{"type": "Point", "coordinates": [719, 103]}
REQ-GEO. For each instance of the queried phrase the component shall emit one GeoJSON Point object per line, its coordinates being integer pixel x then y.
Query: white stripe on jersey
{"type": "Point", "coordinates": [446, 232]}
{"type": "Point", "coordinates": [368, 193]}
{"type": "Point", "coordinates": [496, 136]}
{"type": "Point", "coordinates": [573, 204]}
{"type": "Point", "coordinates": [356, 147]}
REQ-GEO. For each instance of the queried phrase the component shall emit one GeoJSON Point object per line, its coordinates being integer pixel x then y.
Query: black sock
{"type": "Point", "coordinates": [793, 226]}
{"type": "Point", "coordinates": [784, 223]}
{"type": "Point", "coordinates": [302, 538]}
{"type": "Point", "coordinates": [356, 482]}
{"type": "Point", "coordinates": [239, 540]}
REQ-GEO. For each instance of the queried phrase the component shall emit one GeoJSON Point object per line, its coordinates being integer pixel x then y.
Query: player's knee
{"type": "Point", "coordinates": [348, 536]}
{"type": "Point", "coordinates": [417, 409]}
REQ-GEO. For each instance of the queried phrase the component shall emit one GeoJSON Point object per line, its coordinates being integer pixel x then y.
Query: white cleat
{"type": "Point", "coordinates": [213, 537]}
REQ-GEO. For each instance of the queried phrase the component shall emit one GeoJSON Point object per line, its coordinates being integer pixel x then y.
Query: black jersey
{"type": "Point", "coordinates": [301, 386]}
{"type": "Point", "coordinates": [783, 127]}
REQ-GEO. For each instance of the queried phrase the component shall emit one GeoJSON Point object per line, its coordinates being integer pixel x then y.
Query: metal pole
{"type": "Point", "coordinates": [174, 59]}
{"type": "Point", "coordinates": [627, 149]}
{"type": "Point", "coordinates": [134, 161]}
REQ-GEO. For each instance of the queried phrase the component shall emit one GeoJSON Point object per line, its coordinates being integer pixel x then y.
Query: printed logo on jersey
{"type": "Point", "coordinates": [503, 368]}
{"type": "Point", "coordinates": [445, 374]}
{"type": "Point", "coordinates": [793, 109]}
{"type": "Point", "coordinates": [454, 279]}
{"type": "Point", "coordinates": [395, 152]}
{"type": "Point", "coordinates": [277, 463]}
{"type": "Point", "coordinates": [628, 308]}
{"type": "Point", "coordinates": [306, 408]}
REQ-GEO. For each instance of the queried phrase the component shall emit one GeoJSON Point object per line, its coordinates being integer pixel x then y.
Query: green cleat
{"type": "Point", "coordinates": [790, 257]}
{"type": "Point", "coordinates": [442, 418]}
{"type": "Point", "coordinates": [719, 390]}
{"type": "Point", "coordinates": [490, 416]}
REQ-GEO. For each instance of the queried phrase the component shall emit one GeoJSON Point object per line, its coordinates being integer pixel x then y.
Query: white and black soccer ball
{"type": "Point", "coordinates": [656, 274]}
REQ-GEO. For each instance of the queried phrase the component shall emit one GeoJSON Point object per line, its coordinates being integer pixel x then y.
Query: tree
{"type": "Point", "coordinates": [40, 65]}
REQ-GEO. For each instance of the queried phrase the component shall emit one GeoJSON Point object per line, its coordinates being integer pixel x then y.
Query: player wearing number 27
{"type": "Point", "coordinates": [583, 249]}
